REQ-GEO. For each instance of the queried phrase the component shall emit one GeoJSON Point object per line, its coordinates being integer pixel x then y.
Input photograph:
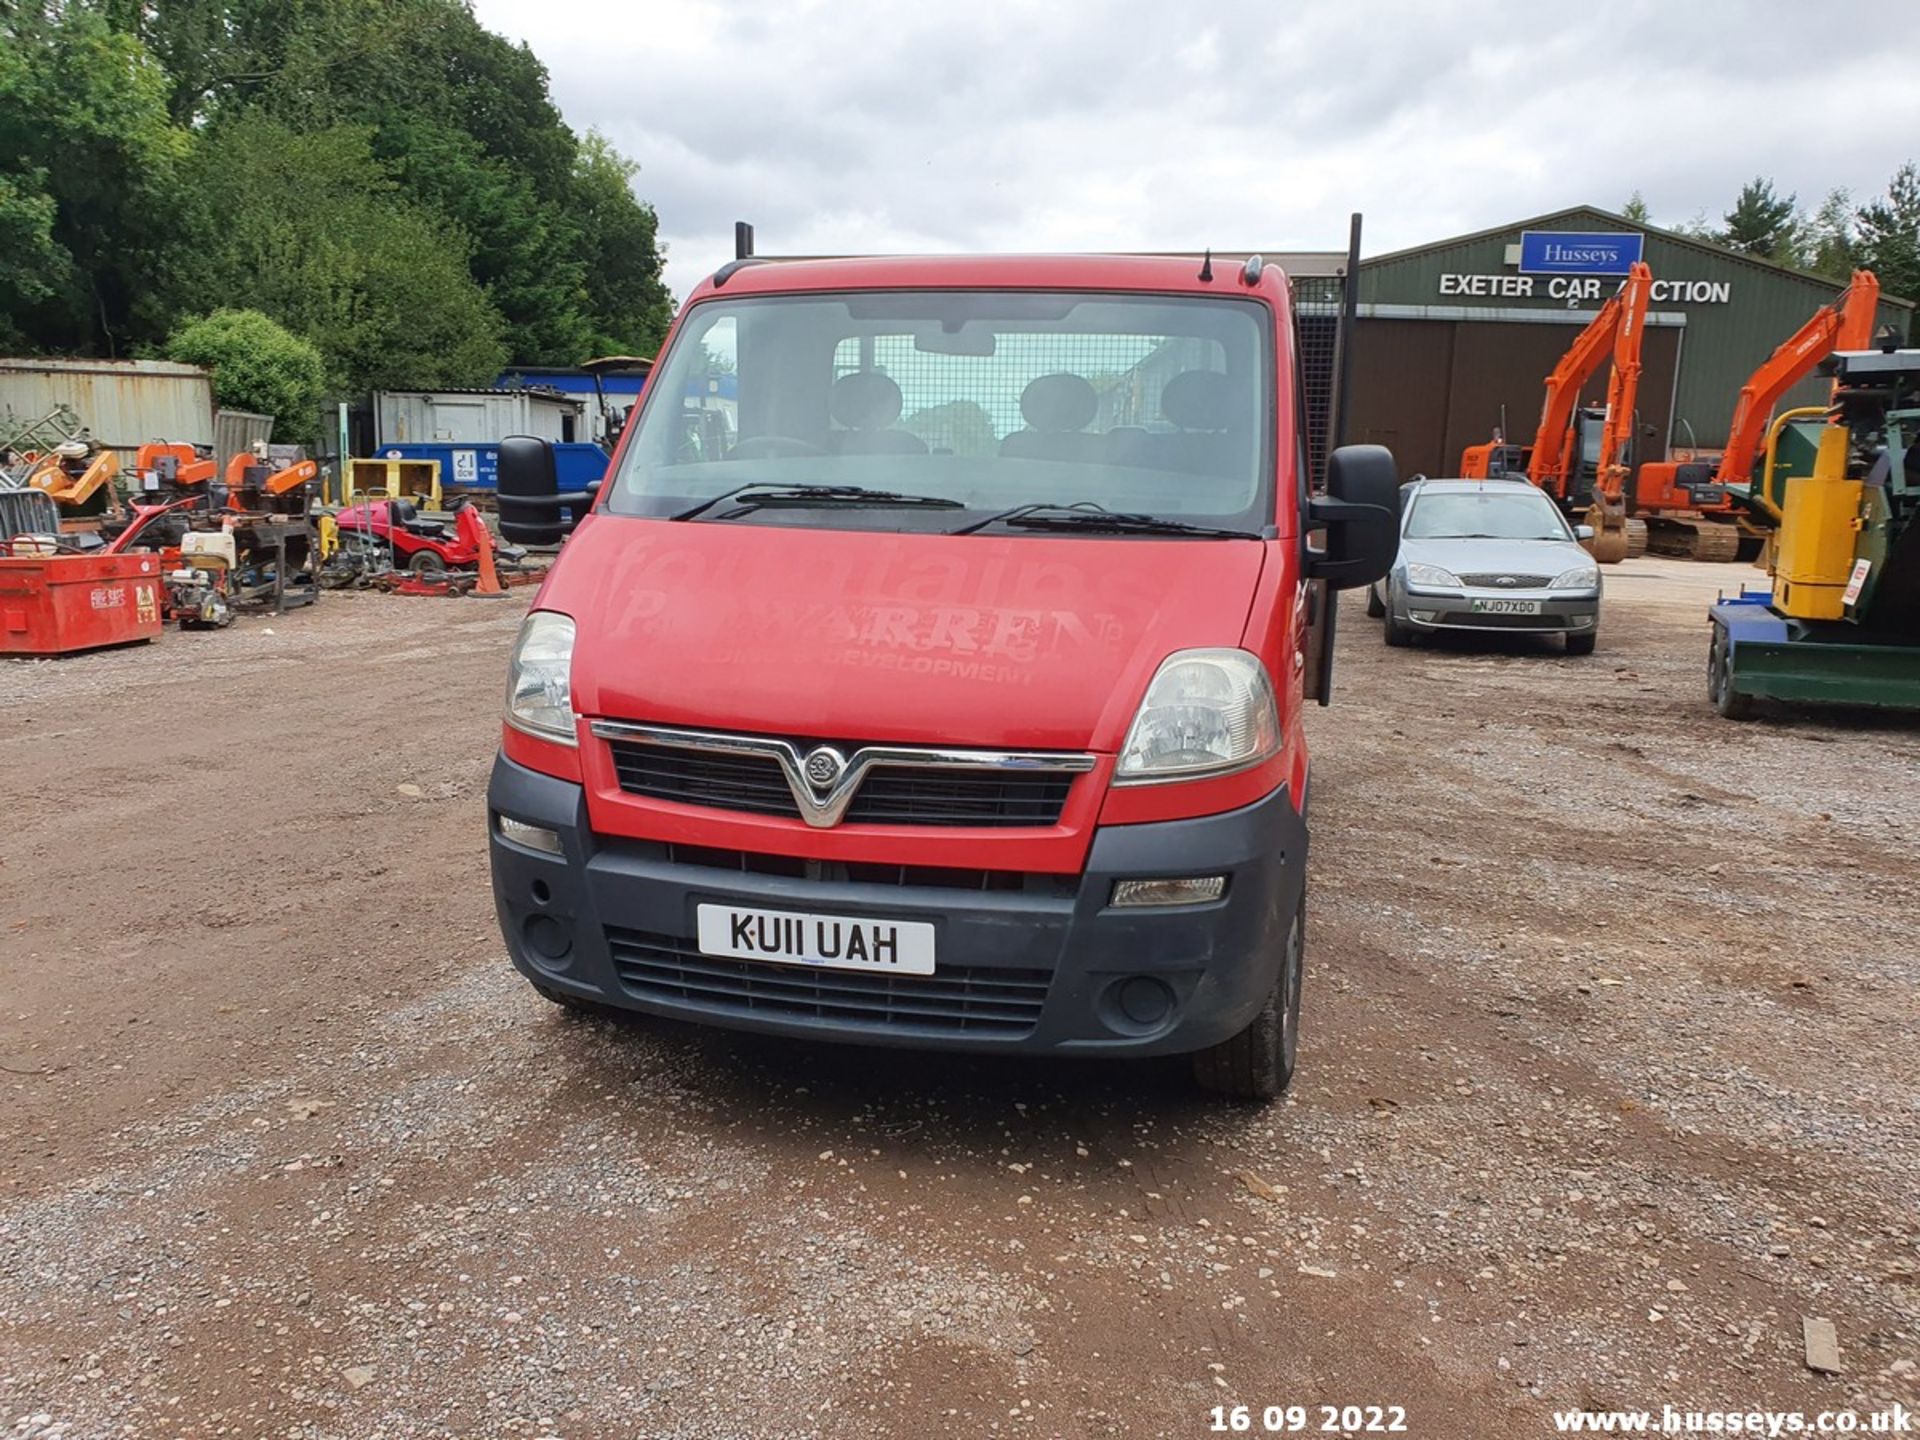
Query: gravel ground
{"type": "Point", "coordinates": [1609, 1079]}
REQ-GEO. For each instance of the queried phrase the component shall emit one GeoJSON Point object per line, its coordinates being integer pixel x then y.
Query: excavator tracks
{"type": "Point", "coordinates": [1704, 540]}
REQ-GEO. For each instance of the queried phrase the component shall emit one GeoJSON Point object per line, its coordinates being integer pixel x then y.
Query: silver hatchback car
{"type": "Point", "coordinates": [1488, 555]}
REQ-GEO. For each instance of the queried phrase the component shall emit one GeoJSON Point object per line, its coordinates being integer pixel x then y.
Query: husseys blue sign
{"type": "Point", "coordinates": [1578, 252]}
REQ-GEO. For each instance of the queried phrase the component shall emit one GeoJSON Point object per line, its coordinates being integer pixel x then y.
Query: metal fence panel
{"type": "Point", "coordinates": [27, 512]}
{"type": "Point", "coordinates": [237, 430]}
{"type": "Point", "coordinates": [122, 403]}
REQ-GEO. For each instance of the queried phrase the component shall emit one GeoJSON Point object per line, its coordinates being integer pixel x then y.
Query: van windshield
{"type": "Point", "coordinates": [962, 410]}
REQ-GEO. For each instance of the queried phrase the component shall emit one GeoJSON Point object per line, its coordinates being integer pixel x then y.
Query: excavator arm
{"type": "Point", "coordinates": [1846, 324]}
{"type": "Point", "coordinates": [1609, 513]}
{"type": "Point", "coordinates": [1616, 331]}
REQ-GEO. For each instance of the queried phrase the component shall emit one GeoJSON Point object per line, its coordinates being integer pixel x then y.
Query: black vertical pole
{"type": "Point", "coordinates": [743, 239]}
{"type": "Point", "coordinates": [1349, 314]}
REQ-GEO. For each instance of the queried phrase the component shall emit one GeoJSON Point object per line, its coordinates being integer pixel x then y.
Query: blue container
{"type": "Point", "coordinates": [476, 467]}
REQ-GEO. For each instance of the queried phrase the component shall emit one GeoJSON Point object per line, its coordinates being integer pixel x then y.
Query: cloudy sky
{"type": "Point", "coordinates": [848, 125]}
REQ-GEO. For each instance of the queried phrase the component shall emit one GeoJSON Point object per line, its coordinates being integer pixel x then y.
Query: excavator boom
{"type": "Point", "coordinates": [1846, 324]}
{"type": "Point", "coordinates": [1616, 331]}
{"type": "Point", "coordinates": [1698, 508]}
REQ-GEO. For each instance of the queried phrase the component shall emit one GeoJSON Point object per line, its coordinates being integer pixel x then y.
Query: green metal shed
{"type": "Point", "coordinates": [1456, 335]}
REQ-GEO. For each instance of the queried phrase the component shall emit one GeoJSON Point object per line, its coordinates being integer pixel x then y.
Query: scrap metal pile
{"type": "Point", "coordinates": [86, 541]}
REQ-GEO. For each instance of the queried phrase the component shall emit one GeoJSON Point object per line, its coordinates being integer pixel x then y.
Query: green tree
{"type": "Point", "coordinates": [257, 365]}
{"type": "Point", "coordinates": [34, 267]}
{"type": "Point", "coordinates": [114, 221]}
{"type": "Point", "coordinates": [1699, 228]}
{"type": "Point", "coordinates": [1889, 234]}
{"type": "Point", "coordinates": [1762, 223]}
{"type": "Point", "coordinates": [1636, 209]}
{"type": "Point", "coordinates": [465, 122]}
{"type": "Point", "coordinates": [1831, 245]}
{"type": "Point", "coordinates": [628, 305]}
{"type": "Point", "coordinates": [88, 159]}
{"type": "Point", "coordinates": [221, 53]}
{"type": "Point", "coordinates": [312, 230]}
{"type": "Point", "coordinates": [525, 251]}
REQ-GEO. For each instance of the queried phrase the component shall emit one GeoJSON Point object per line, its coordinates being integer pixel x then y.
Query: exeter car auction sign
{"type": "Point", "coordinates": [1577, 252]}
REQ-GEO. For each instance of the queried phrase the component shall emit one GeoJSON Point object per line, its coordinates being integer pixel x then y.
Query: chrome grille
{"type": "Point", "coordinates": [1506, 580]}
{"type": "Point", "coordinates": [959, 999]}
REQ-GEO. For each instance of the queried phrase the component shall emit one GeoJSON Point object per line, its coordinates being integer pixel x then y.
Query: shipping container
{"type": "Point", "coordinates": [475, 417]}
{"type": "Point", "coordinates": [122, 403]}
{"type": "Point", "coordinates": [474, 467]}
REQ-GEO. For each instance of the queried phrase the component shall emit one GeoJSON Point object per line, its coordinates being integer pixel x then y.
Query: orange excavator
{"type": "Point", "coordinates": [1580, 454]}
{"type": "Point", "coordinates": [1697, 508]}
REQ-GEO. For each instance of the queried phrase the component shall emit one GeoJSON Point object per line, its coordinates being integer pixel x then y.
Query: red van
{"type": "Point", "coordinates": [929, 670]}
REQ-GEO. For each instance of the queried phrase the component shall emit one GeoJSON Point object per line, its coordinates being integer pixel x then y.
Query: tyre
{"type": "Point", "coordinates": [1729, 702]}
{"type": "Point", "coordinates": [1583, 643]}
{"type": "Point", "coordinates": [1374, 608]}
{"type": "Point", "coordinates": [1394, 632]}
{"type": "Point", "coordinates": [425, 562]}
{"type": "Point", "coordinates": [1257, 1064]}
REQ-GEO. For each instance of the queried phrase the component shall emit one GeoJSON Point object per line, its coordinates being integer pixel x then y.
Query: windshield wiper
{"type": "Point", "coordinates": [1085, 515]}
{"type": "Point", "coordinates": [760, 494]}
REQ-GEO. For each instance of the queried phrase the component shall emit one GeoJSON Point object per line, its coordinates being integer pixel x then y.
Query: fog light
{"type": "Point", "coordinates": [1169, 892]}
{"type": "Point", "coordinates": [1145, 1000]}
{"type": "Point", "coordinates": [534, 837]}
{"type": "Point", "coordinates": [546, 937]}
{"type": "Point", "coordinates": [1425, 617]}
{"type": "Point", "coordinates": [1581, 622]}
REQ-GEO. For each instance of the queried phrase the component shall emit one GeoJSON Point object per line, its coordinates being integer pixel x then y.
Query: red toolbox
{"type": "Point", "coordinates": [57, 604]}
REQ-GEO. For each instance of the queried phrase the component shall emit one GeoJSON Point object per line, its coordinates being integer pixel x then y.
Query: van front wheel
{"type": "Point", "coordinates": [1257, 1064]}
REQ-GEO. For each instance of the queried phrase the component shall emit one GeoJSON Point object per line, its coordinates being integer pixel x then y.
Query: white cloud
{"type": "Point", "coordinates": [863, 126]}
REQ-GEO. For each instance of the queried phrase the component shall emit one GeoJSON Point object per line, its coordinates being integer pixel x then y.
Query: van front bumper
{"type": "Point", "coordinates": [1049, 966]}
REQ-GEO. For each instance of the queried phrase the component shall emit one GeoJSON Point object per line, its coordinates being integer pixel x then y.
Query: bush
{"type": "Point", "coordinates": [258, 365]}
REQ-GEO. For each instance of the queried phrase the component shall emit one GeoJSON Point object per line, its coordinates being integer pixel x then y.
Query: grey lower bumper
{"type": "Point", "coordinates": [1051, 967]}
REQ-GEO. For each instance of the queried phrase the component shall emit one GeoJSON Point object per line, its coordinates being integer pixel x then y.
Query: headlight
{"type": "Point", "coordinates": [539, 687]}
{"type": "Point", "coordinates": [1207, 711]}
{"type": "Point", "coordinates": [1432, 576]}
{"type": "Point", "coordinates": [1580, 577]}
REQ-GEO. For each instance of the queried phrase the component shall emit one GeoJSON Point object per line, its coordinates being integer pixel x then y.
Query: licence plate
{"type": "Point", "coordinates": [828, 942]}
{"type": "Point", "coordinates": [1497, 606]}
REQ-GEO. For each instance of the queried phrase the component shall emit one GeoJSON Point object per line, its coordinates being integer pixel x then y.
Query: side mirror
{"type": "Point", "coordinates": [1583, 533]}
{"type": "Point", "coordinates": [534, 510]}
{"type": "Point", "coordinates": [1360, 513]}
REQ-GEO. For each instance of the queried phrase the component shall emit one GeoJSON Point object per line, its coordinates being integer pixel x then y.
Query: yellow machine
{"type": "Point", "coordinates": [1840, 492]}
{"type": "Point", "coordinates": [1819, 527]}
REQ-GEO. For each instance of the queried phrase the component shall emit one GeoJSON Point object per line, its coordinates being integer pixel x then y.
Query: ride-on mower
{"type": "Point", "coordinates": [425, 547]}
